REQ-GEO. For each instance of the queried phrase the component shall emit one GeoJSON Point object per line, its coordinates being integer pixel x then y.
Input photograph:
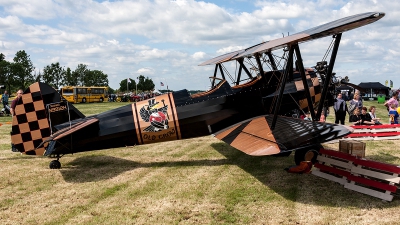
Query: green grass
{"type": "Point", "coordinates": [196, 181]}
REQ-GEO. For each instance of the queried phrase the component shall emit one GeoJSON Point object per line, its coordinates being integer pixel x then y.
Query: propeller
{"type": "Point", "coordinates": [344, 81]}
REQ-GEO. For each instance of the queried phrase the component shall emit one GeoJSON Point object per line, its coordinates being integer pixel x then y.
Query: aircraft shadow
{"type": "Point", "coordinates": [304, 188]}
{"type": "Point", "coordinates": [103, 167]}
{"type": "Point", "coordinates": [269, 170]}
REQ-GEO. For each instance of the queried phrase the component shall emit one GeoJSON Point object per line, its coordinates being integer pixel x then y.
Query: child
{"type": "Point", "coordinates": [308, 116]}
{"type": "Point", "coordinates": [393, 115]}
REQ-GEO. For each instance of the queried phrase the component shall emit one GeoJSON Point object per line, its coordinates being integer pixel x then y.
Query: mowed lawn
{"type": "Point", "coordinates": [197, 181]}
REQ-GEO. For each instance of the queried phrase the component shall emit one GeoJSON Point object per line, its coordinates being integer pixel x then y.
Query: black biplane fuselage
{"type": "Point", "coordinates": [254, 116]}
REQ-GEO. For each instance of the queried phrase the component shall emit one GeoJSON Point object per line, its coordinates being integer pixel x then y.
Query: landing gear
{"type": "Point", "coordinates": [55, 164]}
{"type": "Point", "coordinates": [308, 154]}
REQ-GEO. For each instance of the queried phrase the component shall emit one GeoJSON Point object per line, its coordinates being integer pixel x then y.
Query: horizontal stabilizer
{"type": "Point", "coordinates": [255, 137]}
{"type": "Point", "coordinates": [65, 132]}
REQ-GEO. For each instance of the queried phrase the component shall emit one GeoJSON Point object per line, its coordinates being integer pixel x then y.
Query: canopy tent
{"type": "Point", "coordinates": [372, 89]}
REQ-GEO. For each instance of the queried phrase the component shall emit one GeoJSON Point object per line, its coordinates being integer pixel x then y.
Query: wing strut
{"type": "Point", "coordinates": [244, 67]}
{"type": "Point", "coordinates": [221, 71]}
{"type": "Point", "coordinates": [303, 77]}
{"type": "Point", "coordinates": [260, 67]}
{"type": "Point", "coordinates": [328, 77]}
{"type": "Point", "coordinates": [289, 70]}
{"type": "Point", "coordinates": [215, 75]}
{"type": "Point", "coordinates": [239, 74]}
{"type": "Point", "coordinates": [271, 60]}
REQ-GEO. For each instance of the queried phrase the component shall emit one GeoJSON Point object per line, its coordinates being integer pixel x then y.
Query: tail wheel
{"type": "Point", "coordinates": [83, 100]}
{"type": "Point", "coordinates": [309, 154]}
{"type": "Point", "coordinates": [101, 99]}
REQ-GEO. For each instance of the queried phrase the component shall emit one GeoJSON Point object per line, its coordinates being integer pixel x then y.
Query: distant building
{"type": "Point", "coordinates": [373, 89]}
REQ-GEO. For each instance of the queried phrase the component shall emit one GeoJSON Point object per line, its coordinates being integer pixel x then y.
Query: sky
{"type": "Point", "coordinates": [166, 40]}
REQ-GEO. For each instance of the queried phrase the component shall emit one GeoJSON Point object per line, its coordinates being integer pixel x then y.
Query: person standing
{"type": "Point", "coordinates": [393, 115]}
{"type": "Point", "coordinates": [355, 103]}
{"type": "Point", "coordinates": [340, 108]}
{"type": "Point", "coordinates": [392, 100]}
{"type": "Point", "coordinates": [14, 102]}
{"type": "Point", "coordinates": [4, 99]}
{"type": "Point", "coordinates": [12, 111]}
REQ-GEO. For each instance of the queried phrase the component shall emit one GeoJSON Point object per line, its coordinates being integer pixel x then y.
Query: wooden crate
{"type": "Point", "coordinates": [352, 147]}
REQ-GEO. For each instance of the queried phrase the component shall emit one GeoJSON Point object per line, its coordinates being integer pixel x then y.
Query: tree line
{"type": "Point", "coordinates": [19, 74]}
{"type": "Point", "coordinates": [143, 84]}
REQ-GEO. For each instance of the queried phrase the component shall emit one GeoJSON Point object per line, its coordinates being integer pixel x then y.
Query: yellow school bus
{"type": "Point", "coordinates": [84, 94]}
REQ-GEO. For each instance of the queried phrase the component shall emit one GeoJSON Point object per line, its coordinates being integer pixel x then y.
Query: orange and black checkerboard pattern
{"type": "Point", "coordinates": [315, 88]}
{"type": "Point", "coordinates": [30, 125]}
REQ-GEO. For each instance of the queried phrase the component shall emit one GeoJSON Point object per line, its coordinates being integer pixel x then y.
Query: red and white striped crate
{"type": "Point", "coordinates": [369, 177]}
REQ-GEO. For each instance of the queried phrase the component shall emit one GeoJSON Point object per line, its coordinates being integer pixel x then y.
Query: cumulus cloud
{"type": "Point", "coordinates": [198, 55]}
{"type": "Point", "coordinates": [145, 71]}
{"type": "Point", "coordinates": [167, 39]}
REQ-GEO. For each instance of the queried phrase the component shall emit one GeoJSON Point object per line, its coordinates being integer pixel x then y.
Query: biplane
{"type": "Point", "coordinates": [255, 110]}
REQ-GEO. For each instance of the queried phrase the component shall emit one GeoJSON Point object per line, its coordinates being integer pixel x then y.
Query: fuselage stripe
{"type": "Point", "coordinates": [138, 123]}
{"type": "Point", "coordinates": [174, 116]}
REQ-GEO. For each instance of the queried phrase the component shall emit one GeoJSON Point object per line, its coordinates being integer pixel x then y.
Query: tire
{"type": "Point", "coordinates": [55, 164]}
{"type": "Point", "coordinates": [101, 99]}
{"type": "Point", "coordinates": [308, 154]}
{"type": "Point", "coordinates": [83, 100]}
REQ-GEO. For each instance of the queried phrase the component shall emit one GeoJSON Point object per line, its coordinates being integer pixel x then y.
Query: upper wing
{"type": "Point", "coordinates": [255, 137]}
{"type": "Point", "coordinates": [334, 27]}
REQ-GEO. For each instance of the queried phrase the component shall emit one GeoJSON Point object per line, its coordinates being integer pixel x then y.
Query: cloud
{"type": "Point", "coordinates": [145, 71]}
{"type": "Point", "coordinates": [168, 39]}
{"type": "Point", "coordinates": [198, 55]}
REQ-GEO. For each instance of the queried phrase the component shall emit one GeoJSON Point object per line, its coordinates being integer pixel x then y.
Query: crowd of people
{"type": "Point", "coordinates": [132, 97]}
{"type": "Point", "coordinates": [359, 114]}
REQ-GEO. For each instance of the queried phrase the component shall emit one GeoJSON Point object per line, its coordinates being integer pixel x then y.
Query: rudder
{"type": "Point", "coordinates": [31, 124]}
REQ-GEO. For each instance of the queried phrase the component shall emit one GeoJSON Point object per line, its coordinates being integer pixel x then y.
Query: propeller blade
{"type": "Point", "coordinates": [352, 85]}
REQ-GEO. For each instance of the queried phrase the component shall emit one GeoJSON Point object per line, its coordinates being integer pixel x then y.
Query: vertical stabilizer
{"type": "Point", "coordinates": [31, 123]}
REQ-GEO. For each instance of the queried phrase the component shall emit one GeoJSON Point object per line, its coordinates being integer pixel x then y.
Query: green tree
{"type": "Point", "coordinates": [79, 74]}
{"type": "Point", "coordinates": [71, 78]}
{"type": "Point", "coordinates": [145, 83]}
{"type": "Point", "coordinates": [54, 75]}
{"type": "Point", "coordinates": [110, 90]}
{"type": "Point", "coordinates": [131, 85]}
{"type": "Point", "coordinates": [22, 69]}
{"type": "Point", "coordinates": [95, 78]}
{"type": "Point", "coordinates": [6, 77]}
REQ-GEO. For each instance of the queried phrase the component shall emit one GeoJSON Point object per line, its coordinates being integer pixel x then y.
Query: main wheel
{"type": "Point", "coordinates": [308, 154]}
{"type": "Point", "coordinates": [55, 164]}
{"type": "Point", "coordinates": [101, 99]}
{"type": "Point", "coordinates": [83, 100]}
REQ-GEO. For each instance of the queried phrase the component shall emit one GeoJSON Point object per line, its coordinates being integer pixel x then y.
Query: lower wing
{"type": "Point", "coordinates": [255, 137]}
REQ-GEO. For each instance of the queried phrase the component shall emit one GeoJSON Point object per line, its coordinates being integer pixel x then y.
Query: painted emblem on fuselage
{"type": "Point", "coordinates": [156, 114]}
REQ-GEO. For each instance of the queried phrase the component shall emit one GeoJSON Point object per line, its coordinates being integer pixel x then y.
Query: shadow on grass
{"type": "Point", "coordinates": [103, 167]}
{"type": "Point", "coordinates": [303, 188]}
{"type": "Point", "coordinates": [269, 170]}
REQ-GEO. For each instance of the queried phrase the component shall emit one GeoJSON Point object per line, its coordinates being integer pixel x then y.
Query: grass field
{"type": "Point", "coordinates": [197, 181]}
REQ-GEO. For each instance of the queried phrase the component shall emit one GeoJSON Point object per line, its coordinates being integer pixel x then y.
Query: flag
{"type": "Point", "coordinates": [162, 84]}
{"type": "Point", "coordinates": [391, 84]}
{"type": "Point", "coordinates": [129, 80]}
